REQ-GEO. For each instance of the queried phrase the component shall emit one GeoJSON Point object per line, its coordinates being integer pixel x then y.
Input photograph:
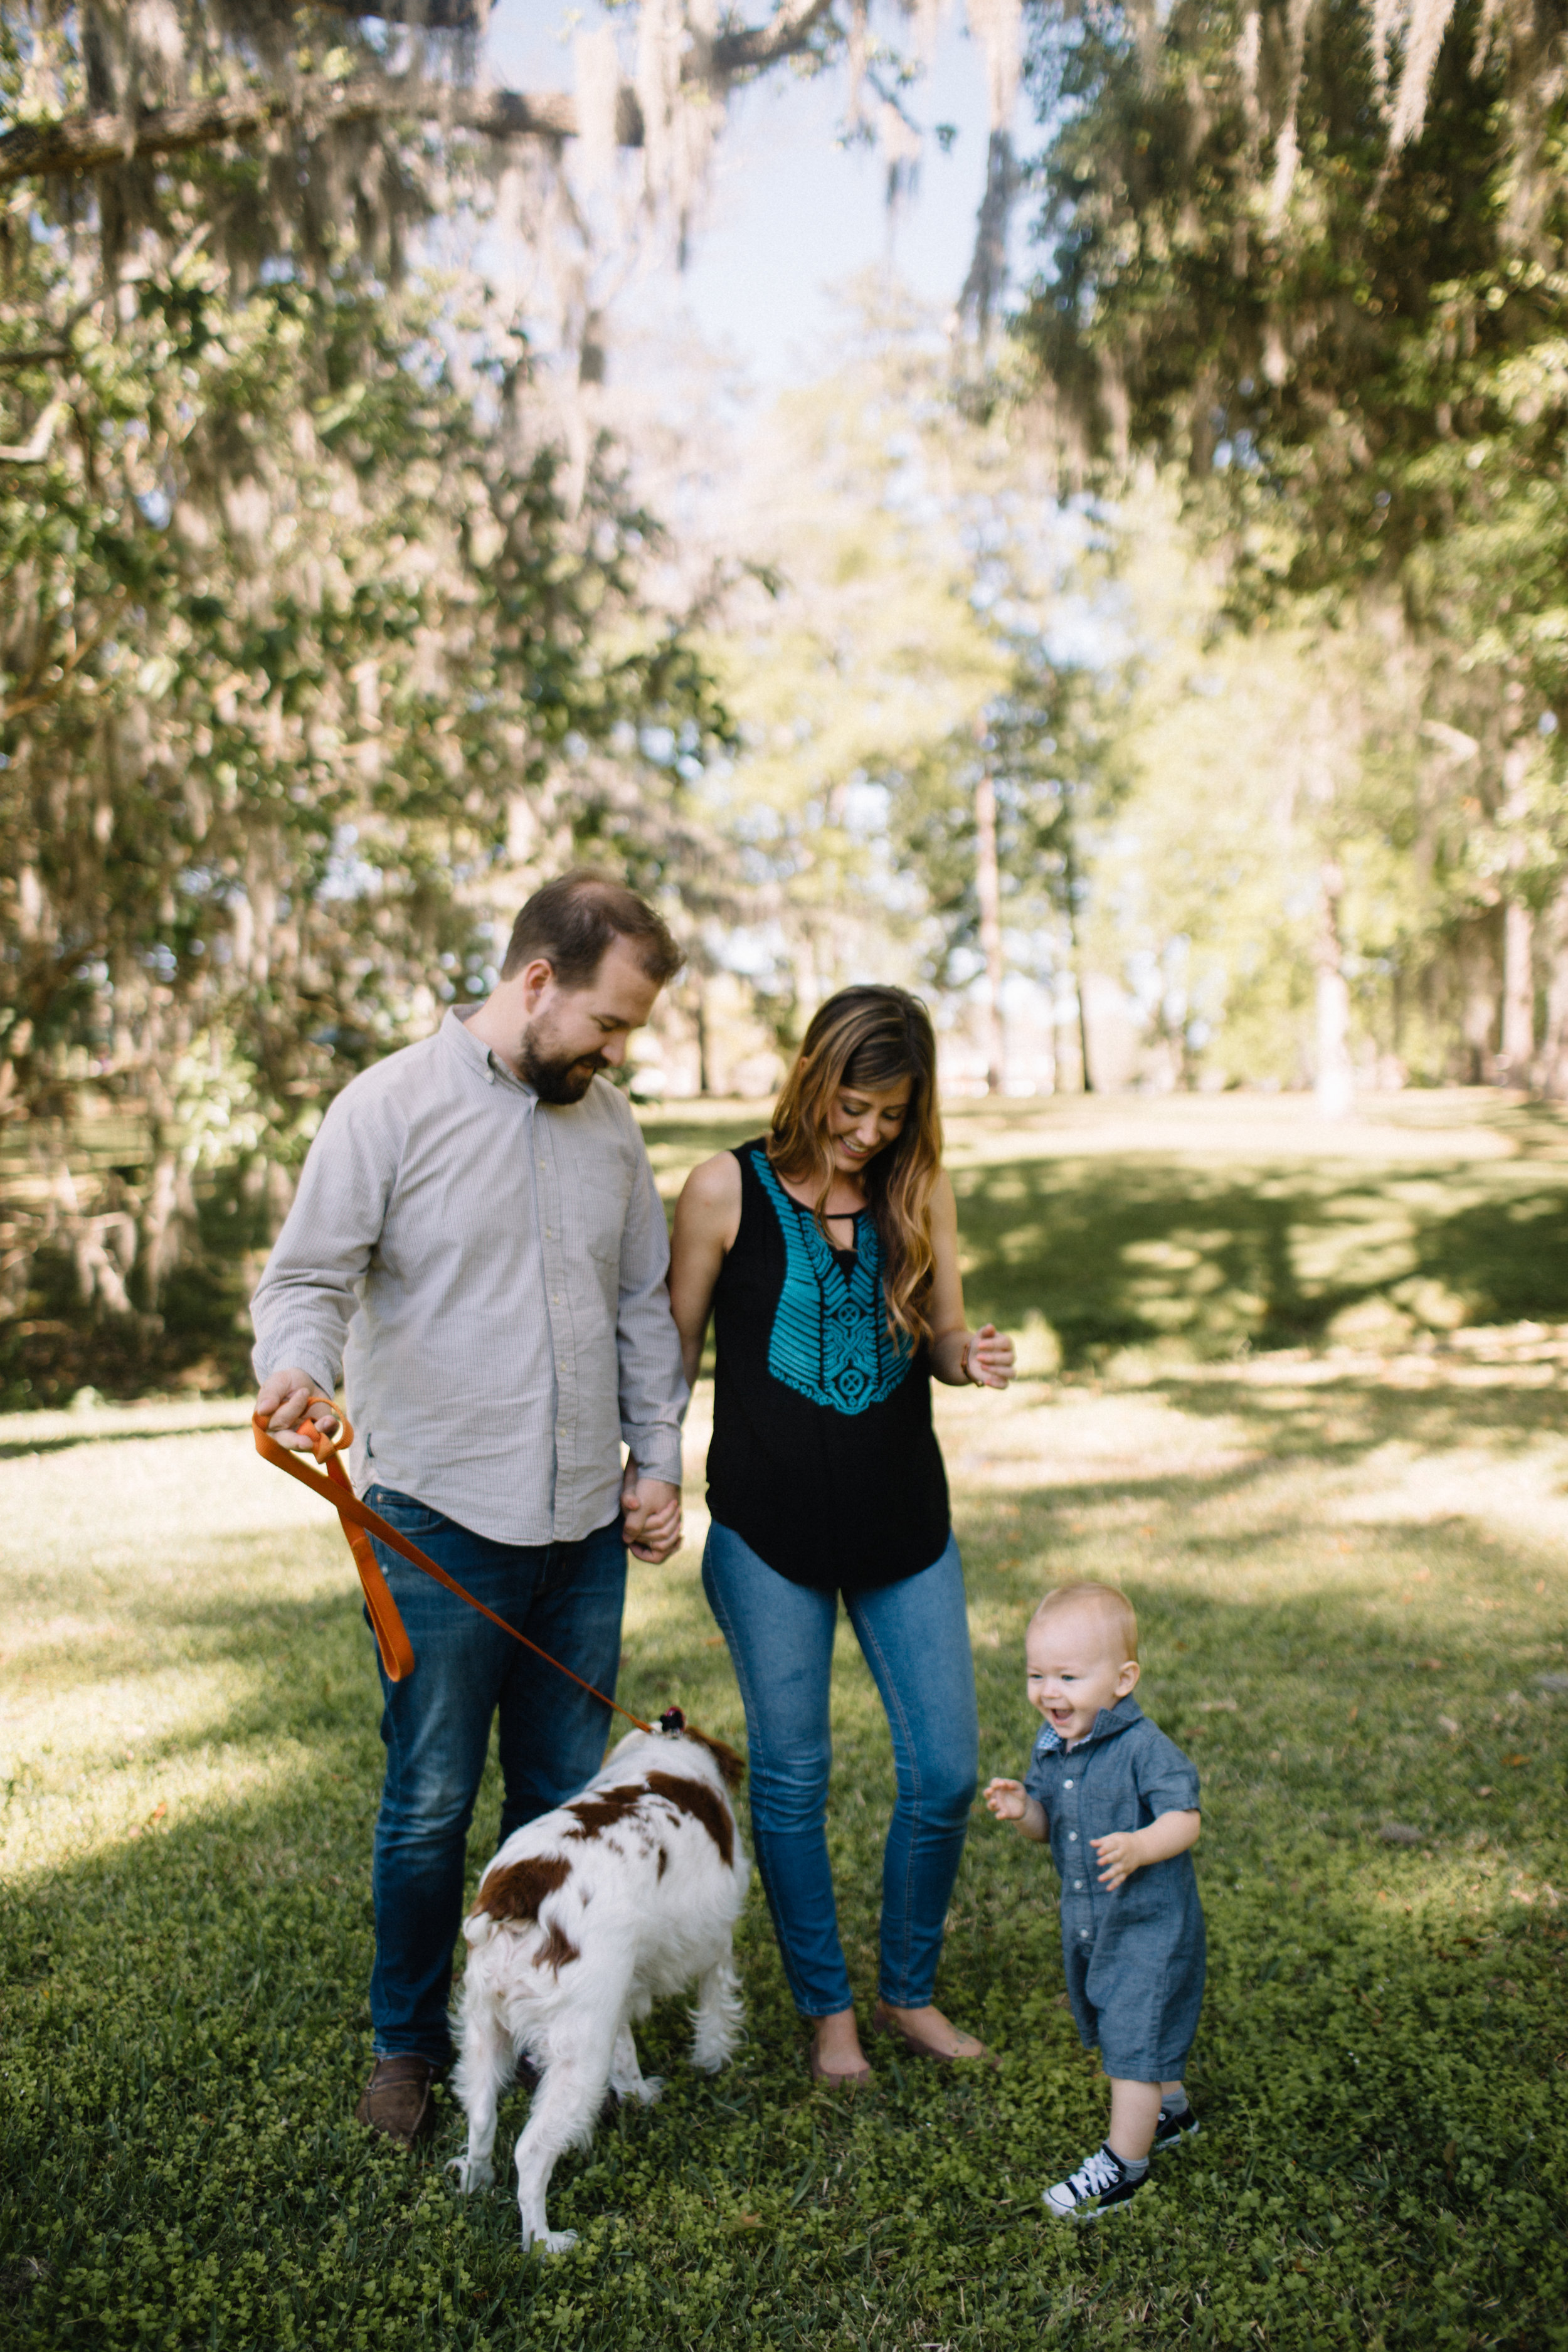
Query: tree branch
{"type": "Point", "coordinates": [429, 16]}
{"type": "Point", "coordinates": [738, 50]}
{"type": "Point", "coordinates": [788, 31]}
{"type": "Point", "coordinates": [35, 451]}
{"type": "Point", "coordinates": [95, 143]}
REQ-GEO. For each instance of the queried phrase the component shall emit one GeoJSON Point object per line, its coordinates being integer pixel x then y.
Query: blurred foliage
{"type": "Point", "coordinates": [1343, 314]}
{"type": "Point", "coordinates": [320, 640]}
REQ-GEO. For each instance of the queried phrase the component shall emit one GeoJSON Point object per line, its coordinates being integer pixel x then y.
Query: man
{"type": "Point", "coordinates": [479, 1221]}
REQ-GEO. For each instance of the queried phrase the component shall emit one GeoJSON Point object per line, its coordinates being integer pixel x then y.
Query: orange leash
{"type": "Point", "coordinates": [360, 1523]}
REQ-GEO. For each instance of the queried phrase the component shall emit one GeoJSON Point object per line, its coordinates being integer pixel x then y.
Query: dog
{"type": "Point", "coordinates": [586, 1918]}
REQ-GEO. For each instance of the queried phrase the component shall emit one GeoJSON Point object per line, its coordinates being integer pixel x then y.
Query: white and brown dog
{"type": "Point", "coordinates": [586, 1918]}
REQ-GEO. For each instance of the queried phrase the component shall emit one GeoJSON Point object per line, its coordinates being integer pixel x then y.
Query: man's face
{"type": "Point", "coordinates": [571, 1034]}
{"type": "Point", "coordinates": [1075, 1668]}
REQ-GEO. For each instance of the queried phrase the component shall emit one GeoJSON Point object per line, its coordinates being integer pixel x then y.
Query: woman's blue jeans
{"type": "Point", "coordinates": [567, 1597]}
{"type": "Point", "coordinates": [915, 1639]}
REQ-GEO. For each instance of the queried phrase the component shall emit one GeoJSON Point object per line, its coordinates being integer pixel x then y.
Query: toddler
{"type": "Point", "coordinates": [1104, 1780]}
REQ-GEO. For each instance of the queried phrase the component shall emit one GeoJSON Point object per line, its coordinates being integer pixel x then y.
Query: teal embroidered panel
{"type": "Point", "coordinates": [830, 1338]}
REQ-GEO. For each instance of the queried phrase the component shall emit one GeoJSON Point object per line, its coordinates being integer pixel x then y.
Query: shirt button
{"type": "Point", "coordinates": [1072, 1837]}
{"type": "Point", "coordinates": [1066, 1784]}
{"type": "Point", "coordinates": [1078, 1884]}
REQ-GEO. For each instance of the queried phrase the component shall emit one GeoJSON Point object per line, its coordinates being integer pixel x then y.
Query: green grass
{"type": "Point", "coordinates": [1348, 1570]}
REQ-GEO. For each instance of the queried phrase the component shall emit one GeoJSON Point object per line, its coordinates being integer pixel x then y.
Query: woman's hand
{"type": "Point", "coordinates": [987, 1359]}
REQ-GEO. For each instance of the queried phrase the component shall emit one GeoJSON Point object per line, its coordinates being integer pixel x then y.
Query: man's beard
{"type": "Point", "coordinates": [556, 1079]}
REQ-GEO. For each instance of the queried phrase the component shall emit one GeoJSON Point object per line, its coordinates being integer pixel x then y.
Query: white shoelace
{"type": "Point", "coordinates": [1094, 2175]}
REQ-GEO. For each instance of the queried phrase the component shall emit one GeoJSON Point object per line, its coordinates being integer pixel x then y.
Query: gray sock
{"type": "Point", "coordinates": [1172, 2103]}
{"type": "Point", "coordinates": [1132, 2167]}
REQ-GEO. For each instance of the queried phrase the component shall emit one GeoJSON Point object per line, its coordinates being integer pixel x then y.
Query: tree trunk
{"type": "Point", "coordinates": [160, 1223]}
{"type": "Point", "coordinates": [704, 1063]}
{"type": "Point", "coordinates": [1069, 884]}
{"type": "Point", "coordinates": [1335, 1087]}
{"type": "Point", "coordinates": [988, 887]}
{"type": "Point", "coordinates": [1517, 1048]}
{"type": "Point", "coordinates": [1477, 1017]}
{"type": "Point", "coordinates": [1552, 1076]}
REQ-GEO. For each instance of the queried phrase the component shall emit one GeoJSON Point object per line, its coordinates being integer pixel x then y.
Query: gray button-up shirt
{"type": "Point", "coordinates": [487, 1272]}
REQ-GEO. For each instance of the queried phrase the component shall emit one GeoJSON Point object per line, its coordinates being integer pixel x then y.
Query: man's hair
{"type": "Point", "coordinates": [571, 921]}
{"type": "Point", "coordinates": [1113, 1607]}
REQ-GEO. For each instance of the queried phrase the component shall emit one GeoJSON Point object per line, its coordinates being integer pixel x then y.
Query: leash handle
{"type": "Point", "coordinates": [359, 1523]}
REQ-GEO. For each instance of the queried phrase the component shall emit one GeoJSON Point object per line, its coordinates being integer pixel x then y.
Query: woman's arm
{"type": "Point", "coordinates": [706, 1219]}
{"type": "Point", "coordinates": [959, 1356]}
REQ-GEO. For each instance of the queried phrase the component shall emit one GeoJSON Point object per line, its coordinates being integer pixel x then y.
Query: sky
{"type": "Point", "coordinates": [790, 213]}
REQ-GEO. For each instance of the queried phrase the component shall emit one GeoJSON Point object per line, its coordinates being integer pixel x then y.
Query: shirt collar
{"type": "Point", "coordinates": [492, 1068]}
{"type": "Point", "coordinates": [1106, 1724]}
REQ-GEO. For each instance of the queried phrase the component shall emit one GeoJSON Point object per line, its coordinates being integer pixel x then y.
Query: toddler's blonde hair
{"type": "Point", "coordinates": [1112, 1607]}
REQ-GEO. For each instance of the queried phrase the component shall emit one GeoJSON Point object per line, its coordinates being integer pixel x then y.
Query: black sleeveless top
{"type": "Point", "coordinates": [823, 1459]}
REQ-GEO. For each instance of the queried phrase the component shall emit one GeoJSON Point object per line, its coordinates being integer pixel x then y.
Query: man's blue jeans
{"type": "Point", "coordinates": [915, 1638]}
{"type": "Point", "coordinates": [567, 1597]}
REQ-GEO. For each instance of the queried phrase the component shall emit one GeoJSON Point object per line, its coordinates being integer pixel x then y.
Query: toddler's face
{"type": "Point", "coordinates": [1073, 1670]}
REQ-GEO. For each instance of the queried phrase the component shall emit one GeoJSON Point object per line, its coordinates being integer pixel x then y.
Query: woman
{"type": "Point", "coordinates": [829, 1253]}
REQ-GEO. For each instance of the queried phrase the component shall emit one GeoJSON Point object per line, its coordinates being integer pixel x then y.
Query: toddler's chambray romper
{"type": "Point", "coordinates": [1135, 1958]}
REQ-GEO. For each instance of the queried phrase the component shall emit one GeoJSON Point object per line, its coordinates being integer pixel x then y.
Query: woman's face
{"type": "Point", "coordinates": [863, 1120]}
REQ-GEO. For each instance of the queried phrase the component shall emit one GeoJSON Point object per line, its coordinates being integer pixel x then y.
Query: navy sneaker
{"type": "Point", "coordinates": [1099, 2187]}
{"type": "Point", "coordinates": [1172, 2130]}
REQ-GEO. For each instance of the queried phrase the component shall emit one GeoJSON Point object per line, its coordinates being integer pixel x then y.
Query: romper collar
{"type": "Point", "coordinates": [1106, 1725]}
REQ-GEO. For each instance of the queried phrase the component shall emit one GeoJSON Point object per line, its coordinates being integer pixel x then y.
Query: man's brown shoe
{"type": "Point", "coordinates": [397, 2101]}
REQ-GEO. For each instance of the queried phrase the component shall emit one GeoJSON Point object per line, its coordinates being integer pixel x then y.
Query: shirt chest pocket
{"type": "Point", "coordinates": [596, 1205]}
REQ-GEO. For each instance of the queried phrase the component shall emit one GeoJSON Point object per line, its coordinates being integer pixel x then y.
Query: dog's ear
{"type": "Point", "coordinates": [733, 1767]}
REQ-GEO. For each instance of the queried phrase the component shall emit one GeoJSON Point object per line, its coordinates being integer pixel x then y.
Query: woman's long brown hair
{"type": "Point", "coordinates": [872, 1038]}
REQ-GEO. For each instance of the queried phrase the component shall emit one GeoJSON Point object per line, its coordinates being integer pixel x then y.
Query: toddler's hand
{"type": "Point", "coordinates": [1118, 1856]}
{"type": "Point", "coordinates": [1006, 1798]}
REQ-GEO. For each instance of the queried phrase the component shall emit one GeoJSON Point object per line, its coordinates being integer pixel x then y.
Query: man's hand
{"type": "Point", "coordinates": [283, 1397]}
{"type": "Point", "coordinates": [1119, 1855]}
{"type": "Point", "coordinates": [650, 1516]}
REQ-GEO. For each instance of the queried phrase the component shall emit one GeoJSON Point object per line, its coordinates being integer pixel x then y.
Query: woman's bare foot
{"type": "Point", "coordinates": [836, 2052]}
{"type": "Point", "coordinates": [927, 2032]}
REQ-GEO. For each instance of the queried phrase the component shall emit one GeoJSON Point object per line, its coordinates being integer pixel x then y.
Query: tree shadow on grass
{"type": "Point", "coordinates": [25, 1448]}
{"type": "Point", "coordinates": [1125, 1253]}
{"type": "Point", "coordinates": [1343, 1419]}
